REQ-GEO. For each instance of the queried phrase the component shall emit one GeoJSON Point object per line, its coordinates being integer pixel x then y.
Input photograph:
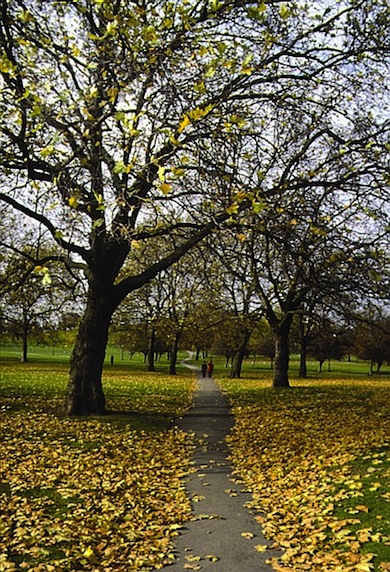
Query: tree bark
{"type": "Point", "coordinates": [151, 350]}
{"type": "Point", "coordinates": [303, 359]}
{"type": "Point", "coordinates": [24, 356]}
{"type": "Point", "coordinates": [282, 355]}
{"type": "Point", "coordinates": [239, 356]}
{"type": "Point", "coordinates": [173, 356]}
{"type": "Point", "coordinates": [303, 356]}
{"type": "Point", "coordinates": [85, 392]}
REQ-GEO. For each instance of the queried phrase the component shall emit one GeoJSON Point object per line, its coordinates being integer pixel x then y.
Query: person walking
{"type": "Point", "coordinates": [204, 369]}
{"type": "Point", "coordinates": [210, 368]}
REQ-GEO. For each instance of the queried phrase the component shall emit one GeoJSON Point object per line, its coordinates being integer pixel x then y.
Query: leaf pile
{"type": "Point", "coordinates": [94, 494]}
{"type": "Point", "coordinates": [316, 460]}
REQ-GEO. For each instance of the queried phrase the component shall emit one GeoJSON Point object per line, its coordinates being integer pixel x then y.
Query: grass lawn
{"type": "Point", "coordinates": [95, 494]}
{"type": "Point", "coordinates": [316, 458]}
{"type": "Point", "coordinates": [105, 494]}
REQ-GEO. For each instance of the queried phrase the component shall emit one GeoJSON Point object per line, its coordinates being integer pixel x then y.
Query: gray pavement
{"type": "Point", "coordinates": [222, 534]}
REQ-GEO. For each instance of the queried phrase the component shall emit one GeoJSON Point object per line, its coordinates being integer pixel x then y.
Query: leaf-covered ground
{"type": "Point", "coordinates": [96, 494]}
{"type": "Point", "coordinates": [316, 459]}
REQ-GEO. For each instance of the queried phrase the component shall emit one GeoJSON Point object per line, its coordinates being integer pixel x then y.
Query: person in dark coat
{"type": "Point", "coordinates": [204, 369]}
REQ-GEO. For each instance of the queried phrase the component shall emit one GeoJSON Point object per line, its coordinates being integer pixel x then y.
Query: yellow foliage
{"type": "Point", "coordinates": [165, 188]}
{"type": "Point", "coordinates": [92, 494]}
{"type": "Point", "coordinates": [294, 450]}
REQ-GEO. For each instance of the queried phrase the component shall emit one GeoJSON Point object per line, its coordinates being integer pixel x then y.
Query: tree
{"type": "Point", "coordinates": [118, 118]}
{"type": "Point", "coordinates": [262, 342]}
{"type": "Point", "coordinates": [183, 290]}
{"type": "Point", "coordinates": [238, 295]}
{"type": "Point", "coordinates": [100, 115]}
{"type": "Point", "coordinates": [33, 302]}
{"type": "Point", "coordinates": [372, 341]}
{"type": "Point", "coordinates": [327, 345]}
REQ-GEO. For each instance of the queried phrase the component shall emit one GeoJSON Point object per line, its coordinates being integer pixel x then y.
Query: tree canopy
{"type": "Point", "coordinates": [125, 121]}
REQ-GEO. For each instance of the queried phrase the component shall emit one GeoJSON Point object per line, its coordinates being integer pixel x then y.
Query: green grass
{"type": "Point", "coordinates": [142, 405]}
{"type": "Point", "coordinates": [251, 367]}
{"type": "Point", "coordinates": [342, 369]}
{"type": "Point", "coordinates": [75, 491]}
{"type": "Point", "coordinates": [61, 354]}
{"type": "Point", "coordinates": [133, 396]}
{"type": "Point", "coordinates": [370, 474]}
{"type": "Point", "coordinates": [317, 459]}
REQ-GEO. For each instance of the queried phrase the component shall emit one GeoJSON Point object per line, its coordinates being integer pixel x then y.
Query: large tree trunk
{"type": "Point", "coordinates": [282, 355]}
{"type": "Point", "coordinates": [85, 393]}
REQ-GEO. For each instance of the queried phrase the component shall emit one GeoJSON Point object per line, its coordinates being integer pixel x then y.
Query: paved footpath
{"type": "Point", "coordinates": [219, 537]}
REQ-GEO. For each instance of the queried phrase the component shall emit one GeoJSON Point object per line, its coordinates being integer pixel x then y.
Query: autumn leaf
{"type": "Point", "coordinates": [304, 494]}
{"type": "Point", "coordinates": [192, 558]}
{"type": "Point", "coordinates": [165, 188]}
{"type": "Point", "coordinates": [184, 123]}
{"type": "Point", "coordinates": [73, 202]}
{"type": "Point", "coordinates": [211, 558]}
{"type": "Point", "coordinates": [247, 535]}
{"type": "Point", "coordinates": [88, 491]}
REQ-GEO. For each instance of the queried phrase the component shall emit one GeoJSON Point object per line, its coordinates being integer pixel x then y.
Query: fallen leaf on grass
{"type": "Point", "coordinates": [93, 490]}
{"type": "Point", "coordinates": [296, 453]}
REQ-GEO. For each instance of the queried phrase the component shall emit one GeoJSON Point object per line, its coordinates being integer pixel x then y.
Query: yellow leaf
{"type": "Point", "coordinates": [88, 552]}
{"type": "Point", "coordinates": [211, 558]}
{"type": "Point", "coordinates": [111, 27]}
{"type": "Point", "coordinates": [49, 150]}
{"type": "Point", "coordinates": [174, 141]}
{"type": "Point", "coordinates": [364, 567]}
{"type": "Point", "coordinates": [261, 547]}
{"type": "Point", "coordinates": [232, 209]}
{"type": "Point", "coordinates": [73, 202]}
{"type": "Point", "coordinates": [284, 11]}
{"type": "Point", "coordinates": [112, 92]}
{"type": "Point", "coordinates": [184, 123]}
{"type": "Point", "coordinates": [200, 87]}
{"type": "Point", "coordinates": [199, 112]}
{"type": "Point", "coordinates": [161, 173]}
{"type": "Point", "coordinates": [247, 70]}
{"type": "Point", "coordinates": [165, 188]}
{"type": "Point", "coordinates": [247, 535]}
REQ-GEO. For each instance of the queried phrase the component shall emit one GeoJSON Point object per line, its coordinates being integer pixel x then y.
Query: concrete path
{"type": "Point", "coordinates": [223, 533]}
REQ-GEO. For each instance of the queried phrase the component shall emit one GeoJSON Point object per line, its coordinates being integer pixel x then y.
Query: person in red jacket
{"type": "Point", "coordinates": [210, 368]}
